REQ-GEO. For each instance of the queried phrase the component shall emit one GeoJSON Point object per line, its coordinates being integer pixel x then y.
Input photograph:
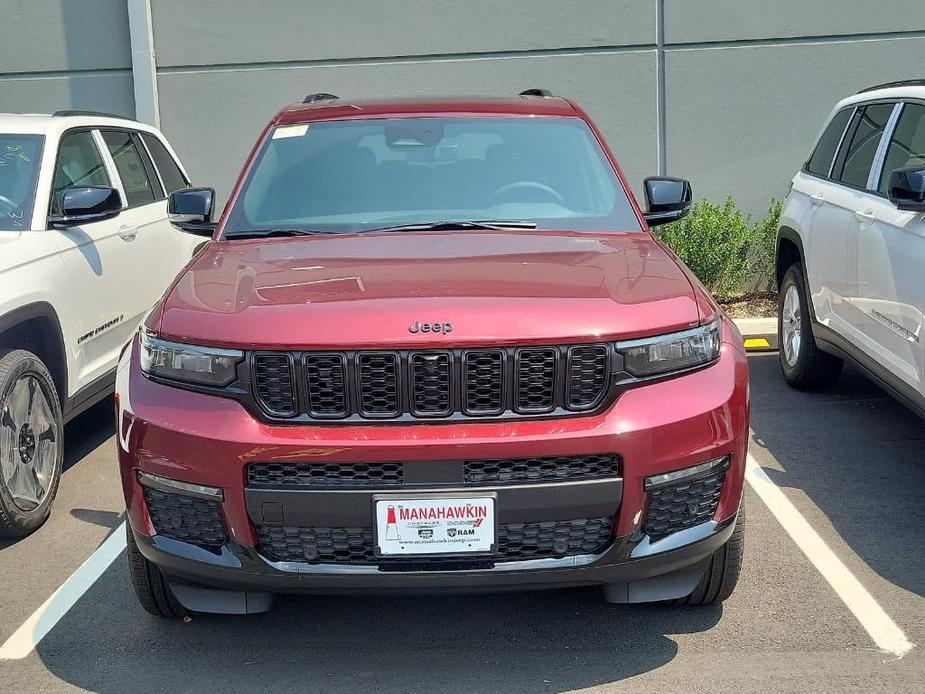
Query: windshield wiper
{"type": "Point", "coordinates": [450, 225]}
{"type": "Point", "coordinates": [266, 233]}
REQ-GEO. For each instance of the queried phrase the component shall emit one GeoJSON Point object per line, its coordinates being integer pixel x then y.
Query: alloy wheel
{"type": "Point", "coordinates": [28, 443]}
{"type": "Point", "coordinates": [791, 325]}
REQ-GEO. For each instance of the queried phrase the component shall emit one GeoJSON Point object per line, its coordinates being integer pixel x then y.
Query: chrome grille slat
{"type": "Point", "coordinates": [463, 383]}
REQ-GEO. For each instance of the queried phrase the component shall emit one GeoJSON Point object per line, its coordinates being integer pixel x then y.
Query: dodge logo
{"type": "Point", "coordinates": [419, 327]}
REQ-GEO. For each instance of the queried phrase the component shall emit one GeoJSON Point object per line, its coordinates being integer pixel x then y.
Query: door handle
{"type": "Point", "coordinates": [817, 199]}
{"type": "Point", "coordinates": [864, 216]}
{"type": "Point", "coordinates": [127, 233]}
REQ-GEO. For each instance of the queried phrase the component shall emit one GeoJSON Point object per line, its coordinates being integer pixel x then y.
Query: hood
{"type": "Point", "coordinates": [483, 288]}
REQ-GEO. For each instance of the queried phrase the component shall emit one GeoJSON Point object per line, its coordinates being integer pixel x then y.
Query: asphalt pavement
{"type": "Point", "coordinates": [851, 462]}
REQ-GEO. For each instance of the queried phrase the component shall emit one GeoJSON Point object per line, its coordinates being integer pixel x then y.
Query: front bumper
{"type": "Point", "coordinates": [654, 429]}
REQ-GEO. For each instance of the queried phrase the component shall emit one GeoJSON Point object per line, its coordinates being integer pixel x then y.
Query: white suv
{"type": "Point", "coordinates": [851, 247]}
{"type": "Point", "coordinates": [85, 251]}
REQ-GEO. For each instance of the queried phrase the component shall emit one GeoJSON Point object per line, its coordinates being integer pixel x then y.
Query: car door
{"type": "Point", "coordinates": [177, 246]}
{"type": "Point", "coordinates": [158, 250]}
{"type": "Point", "coordinates": [838, 220]}
{"type": "Point", "coordinates": [891, 252]}
{"type": "Point", "coordinates": [813, 205]}
{"type": "Point", "coordinates": [97, 264]}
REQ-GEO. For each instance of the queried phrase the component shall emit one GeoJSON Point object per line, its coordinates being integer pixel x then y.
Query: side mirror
{"type": "Point", "coordinates": [190, 210]}
{"type": "Point", "coordinates": [667, 199]}
{"type": "Point", "coordinates": [907, 189]}
{"type": "Point", "coordinates": [85, 204]}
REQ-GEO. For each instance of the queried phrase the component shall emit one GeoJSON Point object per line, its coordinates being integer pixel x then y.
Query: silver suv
{"type": "Point", "coordinates": [851, 247]}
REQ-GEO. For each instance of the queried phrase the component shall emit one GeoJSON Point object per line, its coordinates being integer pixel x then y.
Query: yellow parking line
{"type": "Point", "coordinates": [757, 343]}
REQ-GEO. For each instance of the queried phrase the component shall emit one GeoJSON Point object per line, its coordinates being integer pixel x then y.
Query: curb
{"type": "Point", "coordinates": [758, 334]}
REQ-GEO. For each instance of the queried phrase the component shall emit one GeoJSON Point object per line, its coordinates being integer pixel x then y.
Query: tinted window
{"type": "Point", "coordinates": [79, 164]}
{"type": "Point", "coordinates": [860, 152]}
{"type": "Point", "coordinates": [907, 146]}
{"type": "Point", "coordinates": [821, 160]}
{"type": "Point", "coordinates": [355, 175]}
{"type": "Point", "coordinates": [20, 156]}
{"type": "Point", "coordinates": [138, 188]}
{"type": "Point", "coordinates": [166, 166]}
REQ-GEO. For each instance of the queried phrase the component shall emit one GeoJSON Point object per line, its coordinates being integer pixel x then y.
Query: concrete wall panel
{"type": "Point", "coordinates": [742, 120]}
{"type": "Point", "coordinates": [60, 35]}
{"type": "Point", "coordinates": [212, 32]}
{"type": "Point", "coordinates": [735, 20]}
{"type": "Point", "coordinates": [213, 117]}
{"type": "Point", "coordinates": [110, 92]}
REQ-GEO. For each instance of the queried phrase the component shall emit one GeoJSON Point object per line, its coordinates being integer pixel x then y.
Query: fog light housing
{"type": "Point", "coordinates": [685, 498]}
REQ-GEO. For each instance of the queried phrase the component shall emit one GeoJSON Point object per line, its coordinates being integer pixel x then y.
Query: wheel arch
{"type": "Point", "coordinates": [789, 251]}
{"type": "Point", "coordinates": [36, 327]}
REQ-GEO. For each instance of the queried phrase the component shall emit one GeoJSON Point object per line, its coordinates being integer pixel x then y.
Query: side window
{"type": "Point", "coordinates": [907, 146]}
{"type": "Point", "coordinates": [821, 160]}
{"type": "Point", "coordinates": [79, 164]}
{"type": "Point", "coordinates": [171, 175]}
{"type": "Point", "coordinates": [139, 189]}
{"type": "Point", "coordinates": [859, 153]}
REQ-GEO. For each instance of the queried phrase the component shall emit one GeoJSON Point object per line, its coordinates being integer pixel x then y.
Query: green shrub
{"type": "Point", "coordinates": [729, 254]}
{"type": "Point", "coordinates": [764, 247]}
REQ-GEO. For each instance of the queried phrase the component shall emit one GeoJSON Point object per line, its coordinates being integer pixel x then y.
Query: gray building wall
{"type": "Point", "coordinates": [728, 93]}
{"type": "Point", "coordinates": [65, 54]}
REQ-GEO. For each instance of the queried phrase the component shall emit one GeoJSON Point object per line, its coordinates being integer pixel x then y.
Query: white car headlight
{"type": "Point", "coordinates": [663, 354]}
{"type": "Point", "coordinates": [185, 363]}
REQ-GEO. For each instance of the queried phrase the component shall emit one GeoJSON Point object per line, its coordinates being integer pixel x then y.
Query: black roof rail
{"type": "Point", "coordinates": [320, 96]}
{"type": "Point", "coordinates": [99, 114]}
{"type": "Point", "coordinates": [535, 92]}
{"type": "Point", "coordinates": [898, 83]}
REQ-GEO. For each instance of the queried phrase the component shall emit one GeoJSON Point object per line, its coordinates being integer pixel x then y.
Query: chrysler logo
{"type": "Point", "coordinates": [419, 327]}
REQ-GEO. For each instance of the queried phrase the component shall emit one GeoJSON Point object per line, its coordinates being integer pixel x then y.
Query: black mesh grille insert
{"type": "Point", "coordinates": [430, 383]}
{"type": "Point", "coordinates": [490, 472]}
{"type": "Point", "coordinates": [484, 378]}
{"type": "Point", "coordinates": [378, 383]}
{"type": "Point", "coordinates": [587, 375]}
{"type": "Point", "coordinates": [339, 475]}
{"type": "Point", "coordinates": [683, 505]}
{"type": "Point", "coordinates": [317, 545]}
{"type": "Point", "coordinates": [536, 379]}
{"type": "Point", "coordinates": [198, 521]}
{"type": "Point", "coordinates": [516, 541]}
{"type": "Point", "coordinates": [273, 378]}
{"type": "Point", "coordinates": [551, 469]}
{"type": "Point", "coordinates": [326, 384]}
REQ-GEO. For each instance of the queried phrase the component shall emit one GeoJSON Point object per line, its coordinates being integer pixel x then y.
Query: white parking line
{"type": "Point", "coordinates": [882, 629]}
{"type": "Point", "coordinates": [43, 620]}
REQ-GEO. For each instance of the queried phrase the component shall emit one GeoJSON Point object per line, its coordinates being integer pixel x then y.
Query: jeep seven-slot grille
{"type": "Point", "coordinates": [469, 383]}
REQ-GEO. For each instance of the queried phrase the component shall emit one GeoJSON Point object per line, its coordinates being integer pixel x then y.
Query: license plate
{"type": "Point", "coordinates": [435, 525]}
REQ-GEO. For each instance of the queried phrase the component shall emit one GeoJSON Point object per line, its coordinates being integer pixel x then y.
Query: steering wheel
{"type": "Point", "coordinates": [9, 203]}
{"type": "Point", "coordinates": [528, 185]}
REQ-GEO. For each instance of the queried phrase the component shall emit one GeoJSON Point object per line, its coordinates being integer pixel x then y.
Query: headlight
{"type": "Point", "coordinates": [652, 356]}
{"type": "Point", "coordinates": [188, 363]}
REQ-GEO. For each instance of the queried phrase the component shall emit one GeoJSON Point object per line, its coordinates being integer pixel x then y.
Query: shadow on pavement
{"type": "Point", "coordinates": [516, 642]}
{"type": "Point", "coordinates": [858, 455]}
{"type": "Point", "coordinates": [86, 432]}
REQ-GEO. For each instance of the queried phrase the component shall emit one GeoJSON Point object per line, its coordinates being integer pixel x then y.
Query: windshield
{"type": "Point", "coordinates": [358, 175]}
{"type": "Point", "coordinates": [20, 156]}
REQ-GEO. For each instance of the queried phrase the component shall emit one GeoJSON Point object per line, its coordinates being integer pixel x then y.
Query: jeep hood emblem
{"type": "Point", "coordinates": [419, 327]}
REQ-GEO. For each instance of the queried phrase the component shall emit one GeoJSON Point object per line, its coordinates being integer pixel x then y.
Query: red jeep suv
{"type": "Point", "coordinates": [432, 345]}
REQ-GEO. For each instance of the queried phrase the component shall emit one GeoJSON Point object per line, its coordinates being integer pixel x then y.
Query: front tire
{"type": "Point", "coordinates": [803, 364]}
{"type": "Point", "coordinates": [150, 586]}
{"type": "Point", "coordinates": [722, 574]}
{"type": "Point", "coordinates": [31, 443]}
